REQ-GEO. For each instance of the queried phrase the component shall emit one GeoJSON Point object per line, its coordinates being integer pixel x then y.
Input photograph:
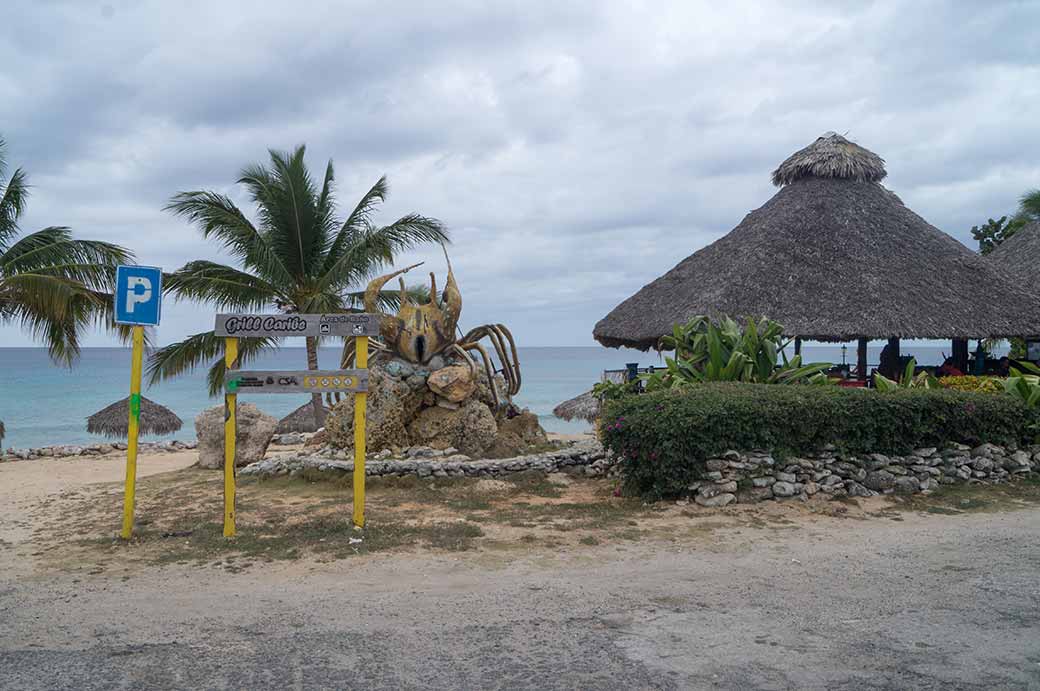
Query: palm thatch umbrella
{"type": "Point", "coordinates": [583, 407]}
{"type": "Point", "coordinates": [112, 421]}
{"type": "Point", "coordinates": [1019, 256]}
{"type": "Point", "coordinates": [833, 256]}
{"type": "Point", "coordinates": [299, 420]}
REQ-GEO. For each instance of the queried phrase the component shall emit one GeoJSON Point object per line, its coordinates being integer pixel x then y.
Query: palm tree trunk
{"type": "Point", "coordinates": [312, 364]}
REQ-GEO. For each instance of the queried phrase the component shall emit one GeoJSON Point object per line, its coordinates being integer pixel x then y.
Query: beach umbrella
{"type": "Point", "coordinates": [1019, 256]}
{"type": "Point", "coordinates": [299, 420]}
{"type": "Point", "coordinates": [112, 421]}
{"type": "Point", "coordinates": [583, 407]}
{"type": "Point", "coordinates": [833, 256]}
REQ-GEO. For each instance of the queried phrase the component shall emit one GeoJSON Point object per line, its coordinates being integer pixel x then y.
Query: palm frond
{"type": "Point", "coordinates": [358, 220]}
{"type": "Point", "coordinates": [12, 203]}
{"type": "Point", "coordinates": [53, 251]}
{"type": "Point", "coordinates": [52, 309]}
{"type": "Point", "coordinates": [374, 247]}
{"type": "Point", "coordinates": [222, 285]}
{"type": "Point", "coordinates": [217, 216]}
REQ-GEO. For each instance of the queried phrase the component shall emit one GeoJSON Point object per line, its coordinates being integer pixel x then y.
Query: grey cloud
{"type": "Point", "coordinates": [578, 150]}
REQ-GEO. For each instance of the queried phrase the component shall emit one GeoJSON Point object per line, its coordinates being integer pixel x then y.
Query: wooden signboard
{"type": "Point", "coordinates": [246, 325]}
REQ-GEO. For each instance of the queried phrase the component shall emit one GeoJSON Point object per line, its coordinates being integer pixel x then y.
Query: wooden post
{"type": "Point", "coordinates": [960, 354]}
{"type": "Point", "coordinates": [861, 358]}
{"type": "Point", "coordinates": [360, 403]}
{"type": "Point", "coordinates": [131, 438]}
{"type": "Point", "coordinates": [230, 433]}
{"type": "Point", "coordinates": [797, 345]}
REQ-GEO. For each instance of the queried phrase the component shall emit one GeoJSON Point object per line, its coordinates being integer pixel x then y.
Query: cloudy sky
{"type": "Point", "coordinates": [576, 150]}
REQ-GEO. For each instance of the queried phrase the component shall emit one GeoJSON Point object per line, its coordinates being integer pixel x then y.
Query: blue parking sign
{"type": "Point", "coordinates": [138, 295]}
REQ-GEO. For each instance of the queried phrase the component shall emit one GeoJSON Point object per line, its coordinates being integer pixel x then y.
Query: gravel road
{"type": "Point", "coordinates": [930, 601]}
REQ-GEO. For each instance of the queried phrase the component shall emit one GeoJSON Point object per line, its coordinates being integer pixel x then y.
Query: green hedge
{"type": "Point", "coordinates": [663, 438]}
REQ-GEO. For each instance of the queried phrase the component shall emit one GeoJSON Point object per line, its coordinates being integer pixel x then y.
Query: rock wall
{"type": "Point", "coordinates": [586, 457]}
{"type": "Point", "coordinates": [754, 476]}
{"type": "Point", "coordinates": [102, 449]}
{"type": "Point", "coordinates": [732, 477]}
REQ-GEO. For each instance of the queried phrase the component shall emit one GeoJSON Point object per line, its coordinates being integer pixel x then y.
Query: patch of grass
{"type": "Point", "coordinates": [277, 540]}
{"type": "Point", "coordinates": [972, 498]}
{"type": "Point", "coordinates": [589, 540]}
{"type": "Point", "coordinates": [534, 482]}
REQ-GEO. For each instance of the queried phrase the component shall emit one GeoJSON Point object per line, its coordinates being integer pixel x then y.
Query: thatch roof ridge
{"type": "Point", "coordinates": [299, 420]}
{"type": "Point", "coordinates": [1019, 257]}
{"type": "Point", "coordinates": [830, 259]}
{"type": "Point", "coordinates": [585, 406]}
{"type": "Point", "coordinates": [112, 420]}
{"type": "Point", "coordinates": [831, 156]}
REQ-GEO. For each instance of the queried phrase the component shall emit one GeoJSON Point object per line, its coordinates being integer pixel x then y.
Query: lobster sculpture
{"type": "Point", "coordinates": [418, 332]}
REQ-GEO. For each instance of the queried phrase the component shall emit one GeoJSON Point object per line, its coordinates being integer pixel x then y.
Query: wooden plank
{"type": "Point", "coordinates": [295, 381]}
{"type": "Point", "coordinates": [285, 325]}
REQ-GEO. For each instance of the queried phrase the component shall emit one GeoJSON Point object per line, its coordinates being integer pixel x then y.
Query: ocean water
{"type": "Point", "coordinates": [42, 404]}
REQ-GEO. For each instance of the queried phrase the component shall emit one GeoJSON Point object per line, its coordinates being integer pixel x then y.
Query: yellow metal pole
{"type": "Point", "coordinates": [134, 423]}
{"type": "Point", "coordinates": [230, 431]}
{"type": "Point", "coordinates": [360, 403]}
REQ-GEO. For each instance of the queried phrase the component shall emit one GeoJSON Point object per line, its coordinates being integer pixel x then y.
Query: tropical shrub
{"type": "Point", "coordinates": [1024, 384]}
{"type": "Point", "coordinates": [707, 351]}
{"type": "Point", "coordinates": [970, 383]}
{"type": "Point", "coordinates": [663, 438]}
{"type": "Point", "coordinates": [907, 381]}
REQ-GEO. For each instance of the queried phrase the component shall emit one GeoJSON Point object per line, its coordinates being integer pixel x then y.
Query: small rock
{"type": "Point", "coordinates": [879, 481]}
{"type": "Point", "coordinates": [782, 488]}
{"type": "Point", "coordinates": [715, 501]}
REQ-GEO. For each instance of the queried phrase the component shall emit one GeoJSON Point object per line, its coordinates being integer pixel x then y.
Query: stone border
{"type": "Point", "coordinates": [102, 449]}
{"type": "Point", "coordinates": [757, 475]}
{"type": "Point", "coordinates": [587, 456]}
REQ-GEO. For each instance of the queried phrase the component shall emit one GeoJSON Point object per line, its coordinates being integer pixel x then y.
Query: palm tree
{"type": "Point", "coordinates": [1029, 206]}
{"type": "Point", "coordinates": [52, 285]}
{"type": "Point", "coordinates": [298, 257]}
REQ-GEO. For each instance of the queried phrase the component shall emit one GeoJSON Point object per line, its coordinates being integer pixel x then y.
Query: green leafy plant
{"type": "Point", "coordinates": [1024, 384]}
{"type": "Point", "coordinates": [662, 439]}
{"type": "Point", "coordinates": [707, 351]}
{"type": "Point", "coordinates": [907, 381]}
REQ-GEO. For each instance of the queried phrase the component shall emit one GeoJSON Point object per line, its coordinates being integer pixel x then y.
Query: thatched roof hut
{"type": "Point", "coordinates": [299, 420]}
{"type": "Point", "coordinates": [1019, 257]}
{"type": "Point", "coordinates": [833, 256]}
{"type": "Point", "coordinates": [112, 421]}
{"type": "Point", "coordinates": [583, 407]}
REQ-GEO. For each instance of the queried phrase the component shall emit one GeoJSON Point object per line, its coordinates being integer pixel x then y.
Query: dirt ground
{"type": "Point", "coordinates": [529, 581]}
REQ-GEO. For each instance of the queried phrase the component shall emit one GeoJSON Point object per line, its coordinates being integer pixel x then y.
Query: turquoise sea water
{"type": "Point", "coordinates": [42, 404]}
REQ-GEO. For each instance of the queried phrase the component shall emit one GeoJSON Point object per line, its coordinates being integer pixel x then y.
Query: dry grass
{"type": "Point", "coordinates": [178, 518]}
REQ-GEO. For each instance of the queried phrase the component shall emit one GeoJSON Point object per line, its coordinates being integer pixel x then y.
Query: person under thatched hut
{"type": "Point", "coordinates": [833, 256]}
{"type": "Point", "coordinates": [113, 420]}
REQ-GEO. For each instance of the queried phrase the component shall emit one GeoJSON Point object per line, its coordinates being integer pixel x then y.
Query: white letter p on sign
{"type": "Point", "coordinates": [132, 296]}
